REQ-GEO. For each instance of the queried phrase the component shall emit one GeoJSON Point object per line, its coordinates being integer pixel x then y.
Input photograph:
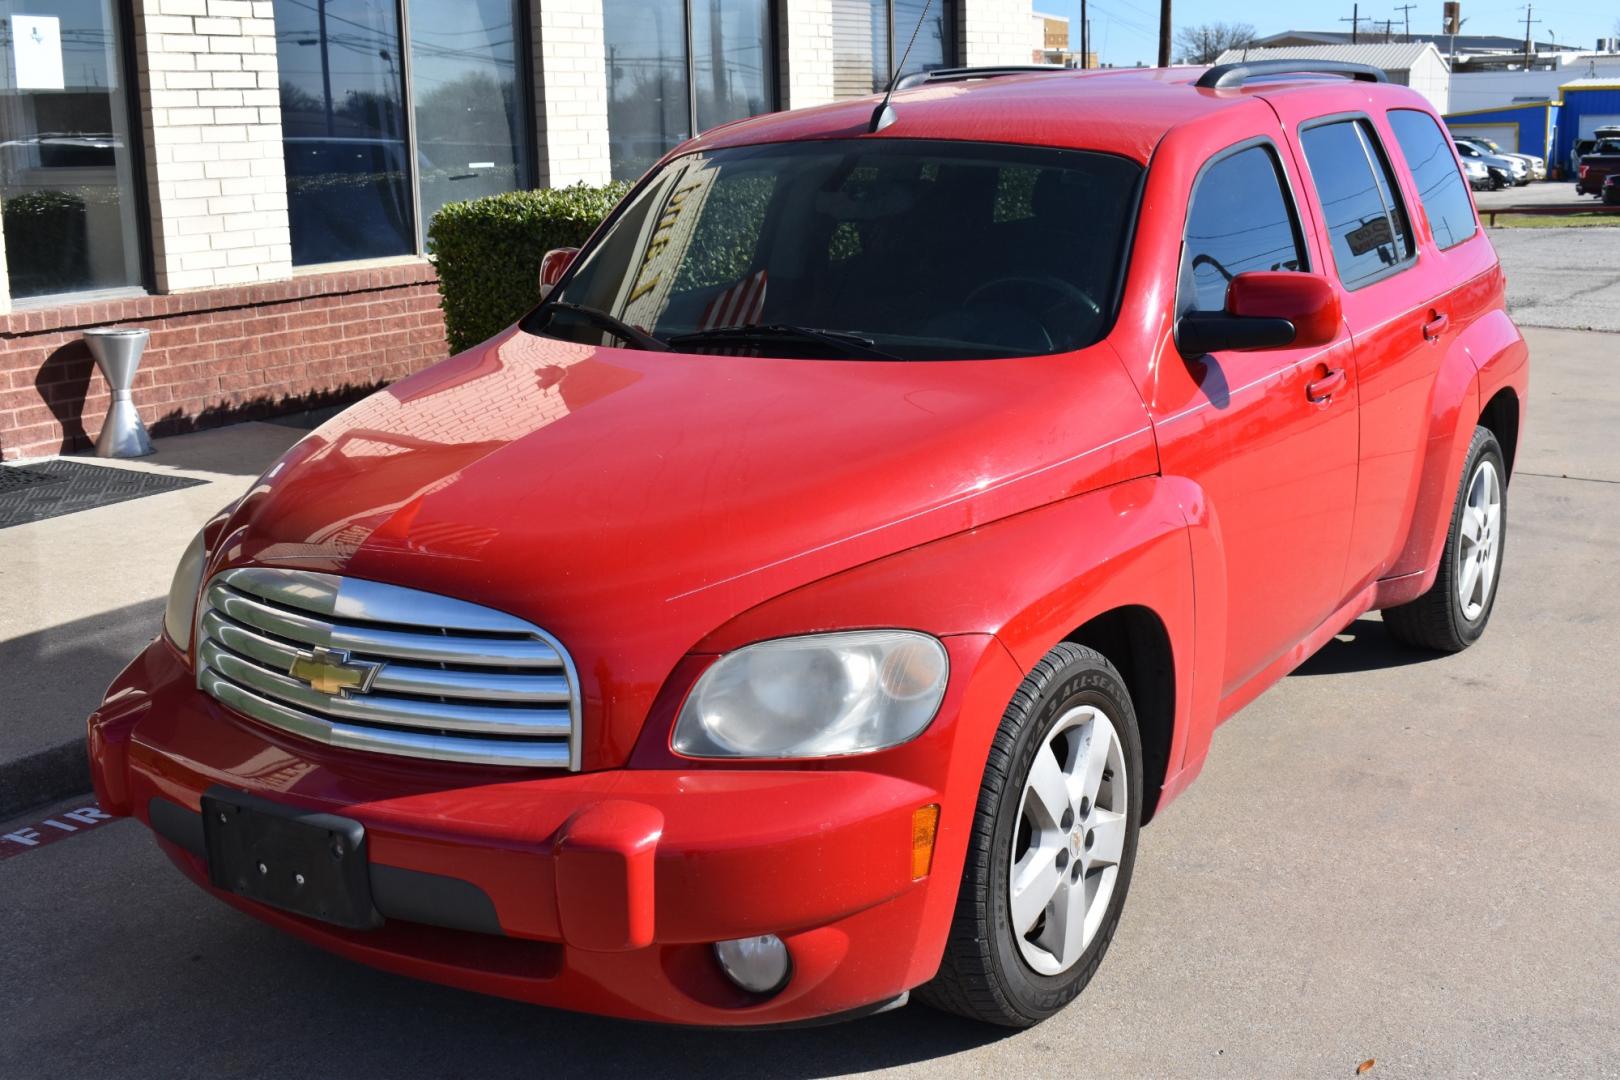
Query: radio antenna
{"type": "Point", "coordinates": [883, 115]}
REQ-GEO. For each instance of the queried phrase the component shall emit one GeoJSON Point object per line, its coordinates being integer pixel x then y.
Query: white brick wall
{"type": "Point", "coordinates": [211, 110]}
{"type": "Point", "coordinates": [570, 82]}
{"type": "Point", "coordinates": [806, 51]}
{"type": "Point", "coordinates": [994, 32]}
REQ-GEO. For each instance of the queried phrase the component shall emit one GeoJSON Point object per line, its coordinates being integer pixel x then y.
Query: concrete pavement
{"type": "Point", "coordinates": [1540, 193]}
{"type": "Point", "coordinates": [1388, 856]}
{"type": "Point", "coordinates": [1564, 277]}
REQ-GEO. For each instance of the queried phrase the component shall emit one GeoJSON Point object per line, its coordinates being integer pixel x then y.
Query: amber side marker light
{"type": "Point", "coordinates": [924, 822]}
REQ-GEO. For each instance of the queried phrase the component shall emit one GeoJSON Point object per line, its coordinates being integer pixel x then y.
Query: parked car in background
{"type": "Point", "coordinates": [1611, 189]}
{"type": "Point", "coordinates": [1537, 166]}
{"type": "Point", "coordinates": [1501, 170]}
{"type": "Point", "coordinates": [1514, 170]}
{"type": "Point", "coordinates": [809, 600]}
{"type": "Point", "coordinates": [1598, 165]}
{"type": "Point", "coordinates": [1479, 177]}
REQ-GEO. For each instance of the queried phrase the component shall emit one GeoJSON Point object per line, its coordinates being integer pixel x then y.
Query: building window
{"type": "Point", "coordinates": [678, 67]}
{"type": "Point", "coordinates": [870, 37]}
{"type": "Point", "coordinates": [359, 185]}
{"type": "Point", "coordinates": [471, 136]}
{"type": "Point", "coordinates": [67, 161]}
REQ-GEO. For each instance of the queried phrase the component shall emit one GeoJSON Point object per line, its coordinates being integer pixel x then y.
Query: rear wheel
{"type": "Point", "coordinates": [1054, 840]}
{"type": "Point", "coordinates": [1452, 614]}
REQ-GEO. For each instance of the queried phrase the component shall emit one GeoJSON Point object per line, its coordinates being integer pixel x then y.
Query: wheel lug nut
{"type": "Point", "coordinates": [1085, 807]}
{"type": "Point", "coordinates": [1068, 820]}
{"type": "Point", "coordinates": [1090, 836]}
{"type": "Point", "coordinates": [1075, 872]}
{"type": "Point", "coordinates": [1062, 860]}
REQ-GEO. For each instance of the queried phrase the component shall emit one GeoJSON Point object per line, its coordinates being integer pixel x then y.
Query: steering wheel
{"type": "Point", "coordinates": [1063, 293]}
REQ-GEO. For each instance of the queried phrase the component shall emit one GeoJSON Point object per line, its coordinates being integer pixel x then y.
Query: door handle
{"type": "Point", "coordinates": [1435, 326]}
{"type": "Point", "coordinates": [1321, 390]}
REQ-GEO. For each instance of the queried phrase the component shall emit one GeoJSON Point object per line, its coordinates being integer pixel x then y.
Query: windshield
{"type": "Point", "coordinates": [897, 249]}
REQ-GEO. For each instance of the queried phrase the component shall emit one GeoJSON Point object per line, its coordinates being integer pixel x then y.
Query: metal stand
{"type": "Point", "coordinates": [118, 355]}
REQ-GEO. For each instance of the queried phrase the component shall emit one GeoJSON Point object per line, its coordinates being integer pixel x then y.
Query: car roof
{"type": "Point", "coordinates": [1121, 111]}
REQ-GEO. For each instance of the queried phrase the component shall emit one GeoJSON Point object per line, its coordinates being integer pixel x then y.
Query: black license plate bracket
{"type": "Point", "coordinates": [310, 864]}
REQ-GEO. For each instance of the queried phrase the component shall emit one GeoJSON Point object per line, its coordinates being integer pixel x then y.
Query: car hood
{"type": "Point", "coordinates": [630, 502]}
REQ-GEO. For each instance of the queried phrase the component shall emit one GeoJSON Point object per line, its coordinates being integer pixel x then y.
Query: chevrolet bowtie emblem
{"type": "Point", "coordinates": [330, 671]}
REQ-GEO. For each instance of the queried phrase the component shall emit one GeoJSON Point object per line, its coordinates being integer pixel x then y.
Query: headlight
{"type": "Point", "coordinates": [177, 617]}
{"type": "Point", "coordinates": [815, 696]}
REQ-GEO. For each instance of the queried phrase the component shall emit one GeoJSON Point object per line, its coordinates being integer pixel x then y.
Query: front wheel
{"type": "Point", "coordinates": [1053, 843]}
{"type": "Point", "coordinates": [1452, 614]}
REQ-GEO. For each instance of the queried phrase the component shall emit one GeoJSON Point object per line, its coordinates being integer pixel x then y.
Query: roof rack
{"type": "Point", "coordinates": [958, 74]}
{"type": "Point", "coordinates": [1229, 76]}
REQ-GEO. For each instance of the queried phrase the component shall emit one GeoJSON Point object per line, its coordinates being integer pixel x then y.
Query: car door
{"type": "Point", "coordinates": [1398, 310]}
{"type": "Point", "coordinates": [1270, 436]}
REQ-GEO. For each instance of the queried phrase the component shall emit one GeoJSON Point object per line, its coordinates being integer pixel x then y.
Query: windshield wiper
{"type": "Point", "coordinates": [612, 324]}
{"type": "Point", "coordinates": [843, 341]}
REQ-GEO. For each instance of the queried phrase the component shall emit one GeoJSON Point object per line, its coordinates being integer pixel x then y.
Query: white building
{"type": "Point", "coordinates": [1416, 64]}
{"type": "Point", "coordinates": [1474, 91]}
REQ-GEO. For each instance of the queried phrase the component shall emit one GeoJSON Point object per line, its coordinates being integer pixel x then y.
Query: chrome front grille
{"type": "Point", "coordinates": [367, 666]}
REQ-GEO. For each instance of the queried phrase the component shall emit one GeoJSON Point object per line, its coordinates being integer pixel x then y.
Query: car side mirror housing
{"type": "Point", "coordinates": [1265, 309]}
{"type": "Point", "coordinates": [553, 265]}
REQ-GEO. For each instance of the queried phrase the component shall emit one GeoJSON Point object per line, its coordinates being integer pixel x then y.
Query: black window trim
{"type": "Point", "coordinates": [1395, 268]}
{"type": "Point", "coordinates": [1285, 186]}
{"type": "Point", "coordinates": [1444, 134]}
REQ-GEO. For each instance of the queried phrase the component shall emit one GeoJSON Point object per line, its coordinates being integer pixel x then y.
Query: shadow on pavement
{"type": "Point", "coordinates": [1364, 645]}
{"type": "Point", "coordinates": [49, 682]}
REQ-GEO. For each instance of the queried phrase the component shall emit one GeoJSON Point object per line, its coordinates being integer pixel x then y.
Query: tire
{"type": "Point", "coordinates": [988, 973]}
{"type": "Point", "coordinates": [1442, 619]}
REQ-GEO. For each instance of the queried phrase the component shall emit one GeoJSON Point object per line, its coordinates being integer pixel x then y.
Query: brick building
{"type": "Point", "coordinates": [252, 179]}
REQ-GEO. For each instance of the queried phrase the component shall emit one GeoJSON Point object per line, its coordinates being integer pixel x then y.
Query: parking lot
{"type": "Point", "coordinates": [1388, 856]}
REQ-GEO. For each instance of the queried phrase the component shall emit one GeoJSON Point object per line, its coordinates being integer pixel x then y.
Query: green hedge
{"type": "Point", "coordinates": [488, 252]}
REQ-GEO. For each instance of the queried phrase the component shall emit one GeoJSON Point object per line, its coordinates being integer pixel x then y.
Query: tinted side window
{"type": "Point", "coordinates": [1240, 218]}
{"type": "Point", "coordinates": [1440, 186]}
{"type": "Point", "coordinates": [1365, 221]}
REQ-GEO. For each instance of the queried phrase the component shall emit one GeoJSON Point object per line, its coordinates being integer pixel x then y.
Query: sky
{"type": "Point", "coordinates": [1125, 31]}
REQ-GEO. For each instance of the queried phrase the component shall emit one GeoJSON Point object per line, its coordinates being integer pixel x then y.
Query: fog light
{"type": "Point", "coordinates": [759, 965]}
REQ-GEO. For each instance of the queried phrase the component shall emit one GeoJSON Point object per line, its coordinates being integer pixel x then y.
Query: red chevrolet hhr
{"type": "Point", "coordinates": [810, 599]}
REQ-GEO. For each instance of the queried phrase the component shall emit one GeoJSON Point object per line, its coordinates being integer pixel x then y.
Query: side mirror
{"type": "Point", "coordinates": [553, 265]}
{"type": "Point", "coordinates": [1265, 309]}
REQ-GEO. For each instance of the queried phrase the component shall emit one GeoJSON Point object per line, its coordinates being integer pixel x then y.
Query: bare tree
{"type": "Point", "coordinates": [1203, 43]}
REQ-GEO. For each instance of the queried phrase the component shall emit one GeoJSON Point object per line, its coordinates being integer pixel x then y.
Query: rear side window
{"type": "Point", "coordinates": [1240, 218]}
{"type": "Point", "coordinates": [1366, 223]}
{"type": "Point", "coordinates": [1440, 185]}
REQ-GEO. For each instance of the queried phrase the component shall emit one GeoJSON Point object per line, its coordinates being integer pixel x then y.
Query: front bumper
{"type": "Point", "coordinates": [601, 892]}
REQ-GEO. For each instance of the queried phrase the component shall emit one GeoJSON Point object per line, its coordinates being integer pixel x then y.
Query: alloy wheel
{"type": "Point", "coordinates": [1478, 547]}
{"type": "Point", "coordinates": [1072, 824]}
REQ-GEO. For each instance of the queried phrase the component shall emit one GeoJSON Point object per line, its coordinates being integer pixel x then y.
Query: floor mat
{"type": "Point", "coordinates": [53, 488]}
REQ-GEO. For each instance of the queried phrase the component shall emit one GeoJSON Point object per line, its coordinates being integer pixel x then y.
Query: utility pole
{"type": "Point", "coordinates": [1164, 33]}
{"type": "Point", "coordinates": [1389, 25]}
{"type": "Point", "coordinates": [1085, 37]}
{"type": "Point", "coordinates": [1528, 8]}
{"type": "Point", "coordinates": [1355, 23]}
{"type": "Point", "coordinates": [1406, 11]}
{"type": "Point", "coordinates": [326, 69]}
